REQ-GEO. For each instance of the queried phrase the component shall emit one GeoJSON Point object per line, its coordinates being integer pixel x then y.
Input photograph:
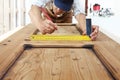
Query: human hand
{"type": "Point", "coordinates": [47, 26]}
{"type": "Point", "coordinates": [95, 31]}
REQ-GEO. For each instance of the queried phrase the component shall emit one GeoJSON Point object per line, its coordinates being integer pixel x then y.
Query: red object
{"type": "Point", "coordinates": [96, 7]}
{"type": "Point", "coordinates": [45, 13]}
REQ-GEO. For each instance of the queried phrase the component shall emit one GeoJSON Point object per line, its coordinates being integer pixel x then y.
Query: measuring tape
{"type": "Point", "coordinates": [60, 37]}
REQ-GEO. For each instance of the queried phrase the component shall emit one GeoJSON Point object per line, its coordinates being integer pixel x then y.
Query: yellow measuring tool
{"type": "Point", "coordinates": [60, 37]}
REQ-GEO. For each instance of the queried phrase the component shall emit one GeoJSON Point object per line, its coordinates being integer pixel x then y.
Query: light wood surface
{"type": "Point", "coordinates": [27, 60]}
{"type": "Point", "coordinates": [58, 64]}
{"type": "Point", "coordinates": [8, 48]}
{"type": "Point", "coordinates": [108, 60]}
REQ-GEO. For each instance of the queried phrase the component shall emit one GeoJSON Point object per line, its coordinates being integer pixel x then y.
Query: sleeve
{"type": "Point", "coordinates": [79, 7]}
{"type": "Point", "coordinates": [40, 3]}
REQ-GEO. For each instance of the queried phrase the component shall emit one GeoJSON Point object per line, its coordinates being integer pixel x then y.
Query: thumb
{"type": "Point", "coordinates": [84, 33]}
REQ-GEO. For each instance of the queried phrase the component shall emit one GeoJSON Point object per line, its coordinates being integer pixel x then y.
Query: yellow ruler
{"type": "Point", "coordinates": [60, 37]}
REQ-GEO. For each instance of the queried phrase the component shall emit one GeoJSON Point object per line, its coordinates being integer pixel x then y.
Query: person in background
{"type": "Point", "coordinates": [45, 14]}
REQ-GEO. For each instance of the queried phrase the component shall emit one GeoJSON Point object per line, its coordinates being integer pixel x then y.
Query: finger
{"type": "Point", "coordinates": [95, 28]}
{"type": "Point", "coordinates": [84, 33]}
{"type": "Point", "coordinates": [56, 27]}
{"type": "Point", "coordinates": [93, 37]}
{"type": "Point", "coordinates": [50, 25]}
{"type": "Point", "coordinates": [43, 32]}
{"type": "Point", "coordinates": [94, 31]}
{"type": "Point", "coordinates": [49, 29]}
{"type": "Point", "coordinates": [53, 25]}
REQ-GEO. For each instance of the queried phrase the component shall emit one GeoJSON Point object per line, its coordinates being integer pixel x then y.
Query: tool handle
{"type": "Point", "coordinates": [88, 26]}
{"type": "Point", "coordinates": [45, 13]}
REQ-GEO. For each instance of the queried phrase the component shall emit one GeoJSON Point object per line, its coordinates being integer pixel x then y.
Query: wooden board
{"type": "Point", "coordinates": [10, 48]}
{"type": "Point", "coordinates": [58, 64]}
{"type": "Point", "coordinates": [22, 59]}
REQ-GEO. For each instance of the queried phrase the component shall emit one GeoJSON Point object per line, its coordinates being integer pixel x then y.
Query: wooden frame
{"type": "Point", "coordinates": [8, 56]}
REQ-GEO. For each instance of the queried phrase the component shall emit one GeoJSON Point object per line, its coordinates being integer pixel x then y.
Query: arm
{"type": "Point", "coordinates": [82, 25]}
{"type": "Point", "coordinates": [81, 18]}
{"type": "Point", "coordinates": [44, 25]}
{"type": "Point", "coordinates": [79, 12]}
{"type": "Point", "coordinates": [95, 31]}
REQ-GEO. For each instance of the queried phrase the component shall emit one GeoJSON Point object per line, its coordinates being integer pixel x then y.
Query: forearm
{"type": "Point", "coordinates": [81, 18]}
{"type": "Point", "coordinates": [35, 15]}
{"type": "Point", "coordinates": [43, 25]}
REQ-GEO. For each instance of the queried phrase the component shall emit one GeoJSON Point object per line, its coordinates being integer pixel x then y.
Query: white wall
{"type": "Point", "coordinates": [108, 25]}
{"type": "Point", "coordinates": [28, 6]}
{"type": "Point", "coordinates": [113, 4]}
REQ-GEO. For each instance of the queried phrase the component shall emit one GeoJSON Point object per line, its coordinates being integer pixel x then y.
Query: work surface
{"type": "Point", "coordinates": [22, 59]}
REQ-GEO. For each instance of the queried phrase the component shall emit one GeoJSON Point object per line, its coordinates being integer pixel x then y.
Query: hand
{"type": "Point", "coordinates": [95, 31]}
{"type": "Point", "coordinates": [47, 26]}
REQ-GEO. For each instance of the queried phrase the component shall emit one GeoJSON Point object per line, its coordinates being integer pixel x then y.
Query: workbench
{"type": "Point", "coordinates": [22, 59]}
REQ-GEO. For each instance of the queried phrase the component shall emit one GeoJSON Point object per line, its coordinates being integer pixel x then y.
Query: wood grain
{"type": "Point", "coordinates": [9, 47]}
{"type": "Point", "coordinates": [58, 64]}
{"type": "Point", "coordinates": [59, 44]}
{"type": "Point", "coordinates": [46, 62]}
{"type": "Point", "coordinates": [64, 29]}
{"type": "Point", "coordinates": [112, 64]}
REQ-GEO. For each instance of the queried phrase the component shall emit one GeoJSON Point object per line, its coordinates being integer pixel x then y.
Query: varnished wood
{"type": "Point", "coordinates": [66, 24]}
{"type": "Point", "coordinates": [57, 64]}
{"type": "Point", "coordinates": [8, 48]}
{"type": "Point", "coordinates": [112, 64]}
{"type": "Point", "coordinates": [39, 60]}
{"type": "Point", "coordinates": [59, 44]}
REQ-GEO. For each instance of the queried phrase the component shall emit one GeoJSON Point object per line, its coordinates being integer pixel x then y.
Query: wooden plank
{"type": "Point", "coordinates": [112, 64]}
{"type": "Point", "coordinates": [109, 44]}
{"type": "Point", "coordinates": [59, 44]}
{"type": "Point", "coordinates": [108, 52]}
{"type": "Point", "coordinates": [66, 24]}
{"type": "Point", "coordinates": [87, 65]}
{"type": "Point", "coordinates": [63, 29]}
{"type": "Point", "coordinates": [8, 48]}
{"type": "Point", "coordinates": [57, 64]}
{"type": "Point", "coordinates": [10, 43]}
